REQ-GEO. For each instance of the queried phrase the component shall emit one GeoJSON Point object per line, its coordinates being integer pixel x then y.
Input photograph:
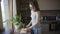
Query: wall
{"type": "Point", "coordinates": [49, 12]}
{"type": "Point", "coordinates": [49, 4]}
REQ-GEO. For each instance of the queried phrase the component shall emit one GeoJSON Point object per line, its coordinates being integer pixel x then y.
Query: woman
{"type": "Point", "coordinates": [35, 21]}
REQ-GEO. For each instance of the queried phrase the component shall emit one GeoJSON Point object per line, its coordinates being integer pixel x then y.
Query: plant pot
{"type": "Point", "coordinates": [16, 28]}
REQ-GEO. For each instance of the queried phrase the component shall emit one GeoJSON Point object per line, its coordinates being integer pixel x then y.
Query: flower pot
{"type": "Point", "coordinates": [16, 28]}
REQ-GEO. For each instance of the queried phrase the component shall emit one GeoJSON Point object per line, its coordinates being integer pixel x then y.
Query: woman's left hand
{"type": "Point", "coordinates": [27, 29]}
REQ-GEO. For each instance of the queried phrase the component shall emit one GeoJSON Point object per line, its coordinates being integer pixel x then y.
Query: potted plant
{"type": "Point", "coordinates": [16, 20]}
{"type": "Point", "coordinates": [18, 24]}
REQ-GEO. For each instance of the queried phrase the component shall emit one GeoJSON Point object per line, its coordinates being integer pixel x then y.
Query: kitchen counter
{"type": "Point", "coordinates": [48, 21]}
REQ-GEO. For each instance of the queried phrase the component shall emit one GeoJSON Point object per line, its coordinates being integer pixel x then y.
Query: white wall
{"type": "Point", "coordinates": [49, 4]}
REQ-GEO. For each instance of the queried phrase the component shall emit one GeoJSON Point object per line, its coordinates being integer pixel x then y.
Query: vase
{"type": "Point", "coordinates": [16, 29]}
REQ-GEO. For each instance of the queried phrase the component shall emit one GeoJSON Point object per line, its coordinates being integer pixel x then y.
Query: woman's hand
{"type": "Point", "coordinates": [27, 29]}
{"type": "Point", "coordinates": [27, 26]}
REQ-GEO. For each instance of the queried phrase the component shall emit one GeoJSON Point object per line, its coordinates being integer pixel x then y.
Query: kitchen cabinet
{"type": "Point", "coordinates": [54, 23]}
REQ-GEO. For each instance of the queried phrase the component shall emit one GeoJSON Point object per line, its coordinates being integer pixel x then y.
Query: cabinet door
{"type": "Point", "coordinates": [52, 27]}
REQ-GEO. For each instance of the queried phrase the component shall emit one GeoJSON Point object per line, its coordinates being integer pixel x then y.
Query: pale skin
{"type": "Point", "coordinates": [37, 19]}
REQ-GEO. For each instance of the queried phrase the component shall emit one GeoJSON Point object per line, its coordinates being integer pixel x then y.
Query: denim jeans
{"type": "Point", "coordinates": [36, 30]}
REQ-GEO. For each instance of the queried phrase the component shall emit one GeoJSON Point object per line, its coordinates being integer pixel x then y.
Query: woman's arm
{"type": "Point", "coordinates": [29, 24]}
{"type": "Point", "coordinates": [37, 19]}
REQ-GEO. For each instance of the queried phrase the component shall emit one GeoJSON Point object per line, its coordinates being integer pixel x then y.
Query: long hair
{"type": "Point", "coordinates": [35, 4]}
